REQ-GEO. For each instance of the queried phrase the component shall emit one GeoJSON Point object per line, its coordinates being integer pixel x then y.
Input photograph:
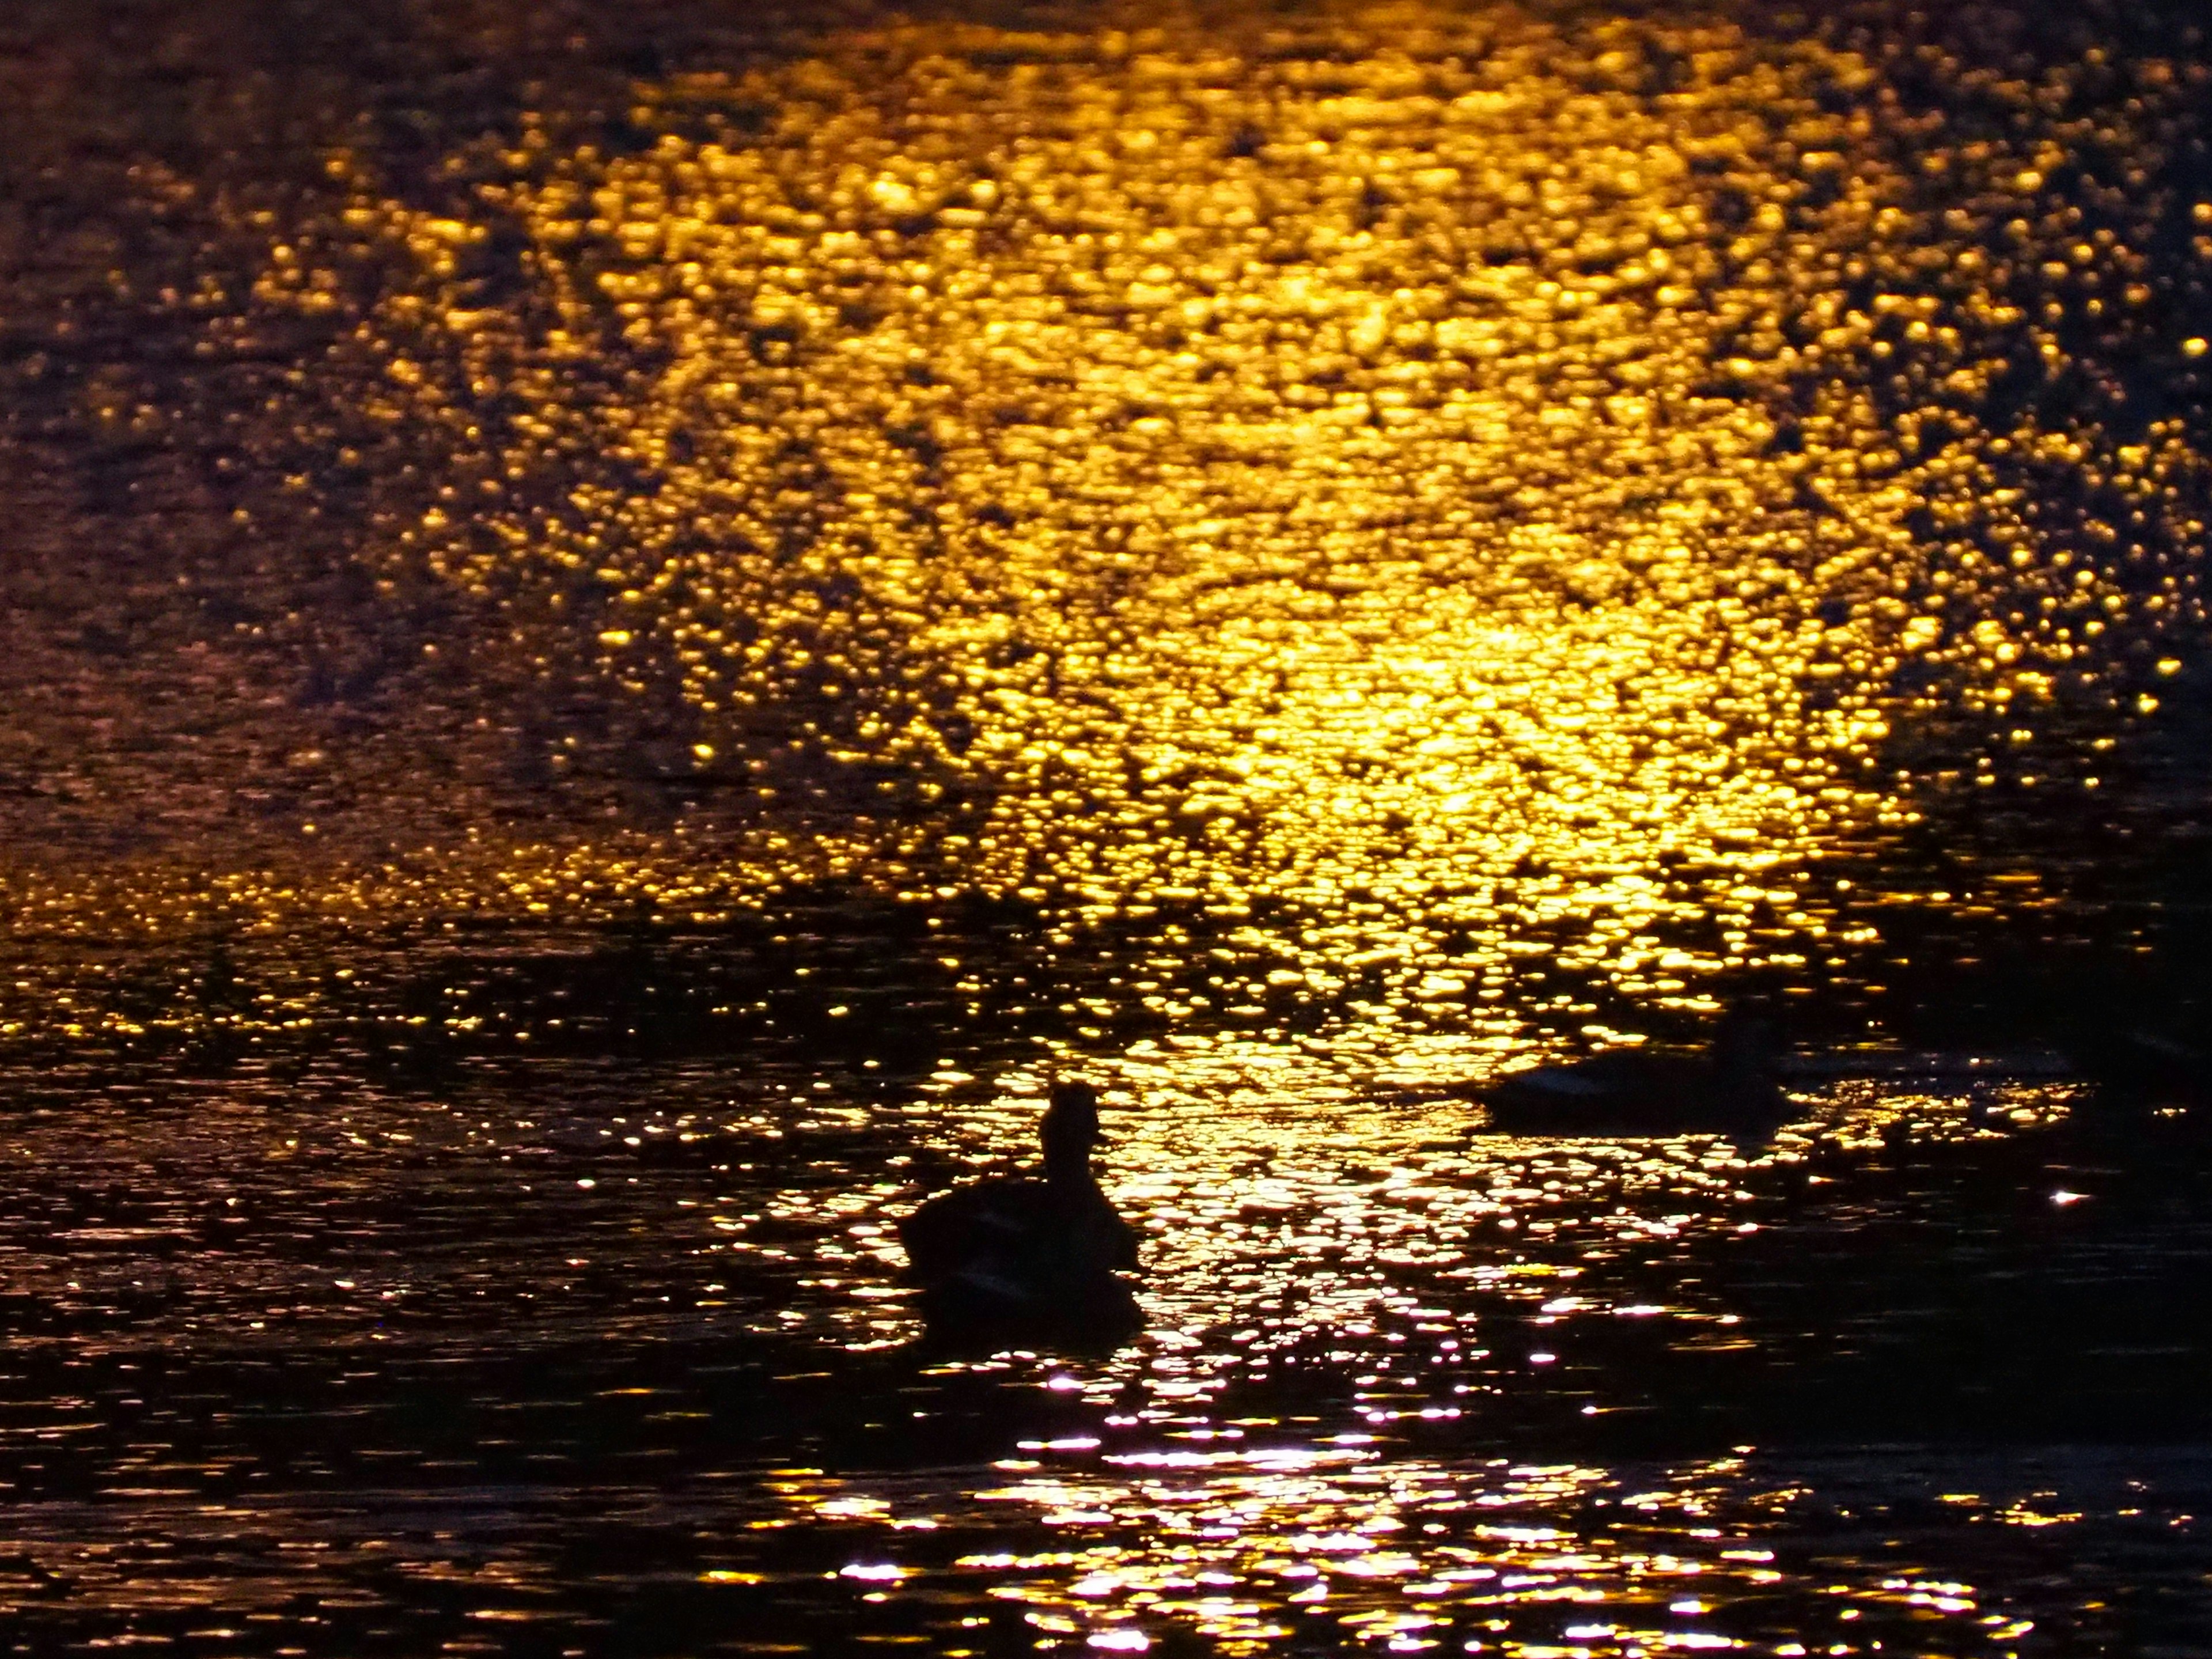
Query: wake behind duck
{"type": "Point", "coordinates": [1016, 1256]}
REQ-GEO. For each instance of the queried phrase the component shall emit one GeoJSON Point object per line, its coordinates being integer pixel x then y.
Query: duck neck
{"type": "Point", "coordinates": [1069, 1171]}
{"type": "Point", "coordinates": [1744, 1053]}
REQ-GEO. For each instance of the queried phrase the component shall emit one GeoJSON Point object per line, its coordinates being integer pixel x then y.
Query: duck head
{"type": "Point", "coordinates": [1070, 1128]}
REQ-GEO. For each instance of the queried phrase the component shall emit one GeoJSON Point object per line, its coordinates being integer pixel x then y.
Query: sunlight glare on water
{"type": "Point", "coordinates": [1413, 488]}
{"type": "Point", "coordinates": [718, 636]}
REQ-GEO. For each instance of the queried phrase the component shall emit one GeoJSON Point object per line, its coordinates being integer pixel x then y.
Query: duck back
{"type": "Point", "coordinates": [1014, 1252]}
{"type": "Point", "coordinates": [1635, 1094]}
{"type": "Point", "coordinates": [986, 1217]}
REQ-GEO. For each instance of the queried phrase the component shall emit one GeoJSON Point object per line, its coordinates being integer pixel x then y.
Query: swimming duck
{"type": "Point", "coordinates": [2148, 1081]}
{"type": "Point", "coordinates": [2137, 1063]}
{"type": "Point", "coordinates": [1731, 1089]}
{"type": "Point", "coordinates": [1023, 1253]}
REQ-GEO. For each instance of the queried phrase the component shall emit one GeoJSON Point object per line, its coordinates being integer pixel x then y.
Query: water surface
{"type": "Point", "coordinates": [624, 634]}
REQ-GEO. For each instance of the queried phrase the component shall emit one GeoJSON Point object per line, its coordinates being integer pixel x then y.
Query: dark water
{"type": "Point", "coordinates": [624, 631]}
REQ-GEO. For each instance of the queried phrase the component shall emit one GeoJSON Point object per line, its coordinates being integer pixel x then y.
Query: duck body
{"type": "Point", "coordinates": [1020, 1254]}
{"type": "Point", "coordinates": [1629, 1095]}
{"type": "Point", "coordinates": [2151, 1087]}
{"type": "Point", "coordinates": [1634, 1092]}
{"type": "Point", "coordinates": [2146, 1067]}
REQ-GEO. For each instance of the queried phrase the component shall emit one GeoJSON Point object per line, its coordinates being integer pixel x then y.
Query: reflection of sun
{"type": "Point", "coordinates": [1445, 480]}
{"type": "Point", "coordinates": [1255, 1549]}
{"type": "Point", "coordinates": [1337, 1288]}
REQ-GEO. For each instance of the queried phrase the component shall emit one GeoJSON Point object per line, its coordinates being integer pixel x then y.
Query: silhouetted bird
{"type": "Point", "coordinates": [1730, 1089]}
{"type": "Point", "coordinates": [2148, 1081]}
{"type": "Point", "coordinates": [1019, 1253]}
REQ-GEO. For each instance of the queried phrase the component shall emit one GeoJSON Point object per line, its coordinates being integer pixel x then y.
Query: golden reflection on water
{"type": "Point", "coordinates": [1282, 1206]}
{"type": "Point", "coordinates": [1437, 477]}
{"type": "Point", "coordinates": [1451, 499]}
{"type": "Point", "coordinates": [1266, 1550]}
{"type": "Point", "coordinates": [1281, 1210]}
{"type": "Point", "coordinates": [1355, 1417]}
{"type": "Point", "coordinates": [1435, 1279]}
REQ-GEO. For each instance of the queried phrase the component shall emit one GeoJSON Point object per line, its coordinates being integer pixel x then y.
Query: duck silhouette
{"type": "Point", "coordinates": [2146, 1077]}
{"type": "Point", "coordinates": [1029, 1254]}
{"type": "Point", "coordinates": [1729, 1089]}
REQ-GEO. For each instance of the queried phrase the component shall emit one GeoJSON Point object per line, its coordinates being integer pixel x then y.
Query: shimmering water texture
{"type": "Point", "coordinates": [1434, 490]}
{"type": "Point", "coordinates": [270, 1385]}
{"type": "Point", "coordinates": [617, 669]}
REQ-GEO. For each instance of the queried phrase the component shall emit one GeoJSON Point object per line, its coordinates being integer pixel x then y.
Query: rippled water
{"type": "Point", "coordinates": [623, 635]}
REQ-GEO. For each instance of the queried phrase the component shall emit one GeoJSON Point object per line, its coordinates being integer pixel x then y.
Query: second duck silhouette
{"type": "Point", "coordinates": [1729, 1089]}
{"type": "Point", "coordinates": [1022, 1253]}
{"type": "Point", "coordinates": [2149, 1080]}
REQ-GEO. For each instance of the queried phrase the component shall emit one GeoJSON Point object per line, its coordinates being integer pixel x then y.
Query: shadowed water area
{"type": "Point", "coordinates": [625, 633]}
